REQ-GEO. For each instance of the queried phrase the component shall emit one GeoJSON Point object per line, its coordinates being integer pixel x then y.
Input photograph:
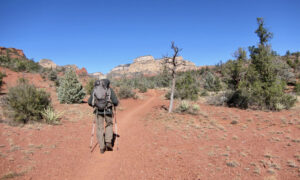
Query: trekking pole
{"type": "Point", "coordinates": [93, 132]}
{"type": "Point", "coordinates": [116, 128]}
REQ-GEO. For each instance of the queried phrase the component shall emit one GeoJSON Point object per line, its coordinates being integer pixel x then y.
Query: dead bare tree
{"type": "Point", "coordinates": [172, 64]}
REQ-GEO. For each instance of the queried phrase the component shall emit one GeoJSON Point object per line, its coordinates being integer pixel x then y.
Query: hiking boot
{"type": "Point", "coordinates": [109, 147]}
{"type": "Point", "coordinates": [102, 151]}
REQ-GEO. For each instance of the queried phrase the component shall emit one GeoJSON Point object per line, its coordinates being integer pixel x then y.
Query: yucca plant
{"type": "Point", "coordinates": [50, 116]}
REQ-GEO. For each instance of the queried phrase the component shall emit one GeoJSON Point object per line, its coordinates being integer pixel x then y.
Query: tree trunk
{"type": "Point", "coordinates": [172, 94]}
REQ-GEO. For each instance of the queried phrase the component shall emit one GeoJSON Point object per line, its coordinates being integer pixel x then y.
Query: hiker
{"type": "Point", "coordinates": [103, 109]}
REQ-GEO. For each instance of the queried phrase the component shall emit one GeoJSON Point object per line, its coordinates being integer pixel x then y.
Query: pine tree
{"type": "Point", "coordinates": [70, 89]}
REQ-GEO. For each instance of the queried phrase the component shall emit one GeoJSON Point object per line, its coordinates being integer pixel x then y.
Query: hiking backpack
{"type": "Point", "coordinates": [101, 96]}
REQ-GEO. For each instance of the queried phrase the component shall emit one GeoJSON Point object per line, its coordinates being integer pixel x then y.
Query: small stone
{"type": "Point", "coordinates": [234, 122]}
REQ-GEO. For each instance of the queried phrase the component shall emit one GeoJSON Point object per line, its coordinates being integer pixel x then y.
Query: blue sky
{"type": "Point", "coordinates": [100, 35]}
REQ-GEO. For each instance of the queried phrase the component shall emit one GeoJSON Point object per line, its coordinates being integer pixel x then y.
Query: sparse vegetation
{"type": "Point", "coordinates": [19, 64]}
{"type": "Point", "coordinates": [26, 102]}
{"type": "Point", "coordinates": [126, 92]}
{"type": "Point", "coordinates": [70, 90]}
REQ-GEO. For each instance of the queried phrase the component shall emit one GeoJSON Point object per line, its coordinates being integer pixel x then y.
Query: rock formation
{"type": "Point", "coordinates": [47, 63]}
{"type": "Point", "coordinates": [13, 53]}
{"type": "Point", "coordinates": [98, 75]}
{"type": "Point", "coordinates": [147, 65]}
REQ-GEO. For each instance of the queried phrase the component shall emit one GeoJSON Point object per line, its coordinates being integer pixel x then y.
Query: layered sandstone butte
{"type": "Point", "coordinates": [147, 65]}
{"type": "Point", "coordinates": [98, 75]}
{"type": "Point", "coordinates": [47, 63]}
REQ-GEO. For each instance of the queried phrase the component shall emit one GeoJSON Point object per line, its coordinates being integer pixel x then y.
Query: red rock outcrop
{"type": "Point", "coordinates": [13, 53]}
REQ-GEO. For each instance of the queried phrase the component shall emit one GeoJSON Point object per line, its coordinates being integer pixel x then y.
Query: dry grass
{"type": "Point", "coordinates": [232, 163]}
{"type": "Point", "coordinates": [291, 163]}
{"type": "Point", "coordinates": [11, 175]}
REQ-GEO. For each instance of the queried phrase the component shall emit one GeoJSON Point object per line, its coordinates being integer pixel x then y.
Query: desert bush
{"type": "Point", "coordinates": [186, 87]}
{"type": "Point", "coordinates": [220, 99]}
{"type": "Point", "coordinates": [239, 98]}
{"type": "Point", "coordinates": [22, 80]}
{"type": "Point", "coordinates": [212, 82]}
{"type": "Point", "coordinates": [52, 76]}
{"type": "Point", "coordinates": [90, 85]}
{"type": "Point", "coordinates": [297, 88]}
{"type": "Point", "coordinates": [70, 89]}
{"type": "Point", "coordinates": [50, 116]}
{"type": "Point", "coordinates": [204, 93]}
{"type": "Point", "coordinates": [168, 95]}
{"type": "Point", "coordinates": [126, 92]}
{"type": "Point", "coordinates": [2, 75]}
{"type": "Point", "coordinates": [26, 102]}
{"type": "Point", "coordinates": [185, 107]}
{"type": "Point", "coordinates": [143, 89]}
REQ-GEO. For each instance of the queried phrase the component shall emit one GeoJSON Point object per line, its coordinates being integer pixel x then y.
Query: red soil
{"type": "Point", "coordinates": [154, 144]}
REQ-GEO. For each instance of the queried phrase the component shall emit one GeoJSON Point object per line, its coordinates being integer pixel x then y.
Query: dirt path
{"type": "Point", "coordinates": [131, 130]}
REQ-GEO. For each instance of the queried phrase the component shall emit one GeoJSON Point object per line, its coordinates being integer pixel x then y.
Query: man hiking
{"type": "Point", "coordinates": [103, 99]}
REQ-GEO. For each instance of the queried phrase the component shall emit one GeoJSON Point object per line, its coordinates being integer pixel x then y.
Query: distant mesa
{"type": "Point", "coordinates": [47, 63]}
{"type": "Point", "coordinates": [98, 75]}
{"type": "Point", "coordinates": [143, 59]}
{"type": "Point", "coordinates": [147, 65]}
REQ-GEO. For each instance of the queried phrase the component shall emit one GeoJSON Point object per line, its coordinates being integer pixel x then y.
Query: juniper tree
{"type": "Point", "coordinates": [261, 86]}
{"type": "Point", "coordinates": [70, 89]}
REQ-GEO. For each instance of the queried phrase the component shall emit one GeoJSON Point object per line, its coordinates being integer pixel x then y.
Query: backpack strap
{"type": "Point", "coordinates": [93, 100]}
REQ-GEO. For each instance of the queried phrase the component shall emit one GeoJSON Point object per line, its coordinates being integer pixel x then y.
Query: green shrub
{"type": "Point", "coordinates": [50, 116]}
{"type": "Point", "coordinates": [26, 102]}
{"type": "Point", "coordinates": [52, 76]}
{"type": "Point", "coordinates": [90, 86]}
{"type": "Point", "coordinates": [22, 80]}
{"type": "Point", "coordinates": [297, 88]}
{"type": "Point", "coordinates": [126, 92]}
{"type": "Point", "coordinates": [143, 89]}
{"type": "Point", "coordinates": [204, 93]}
{"type": "Point", "coordinates": [168, 95]}
{"type": "Point", "coordinates": [220, 99]}
{"type": "Point", "coordinates": [186, 87]}
{"type": "Point", "coordinates": [2, 75]}
{"type": "Point", "coordinates": [70, 89]}
{"type": "Point", "coordinates": [212, 82]}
